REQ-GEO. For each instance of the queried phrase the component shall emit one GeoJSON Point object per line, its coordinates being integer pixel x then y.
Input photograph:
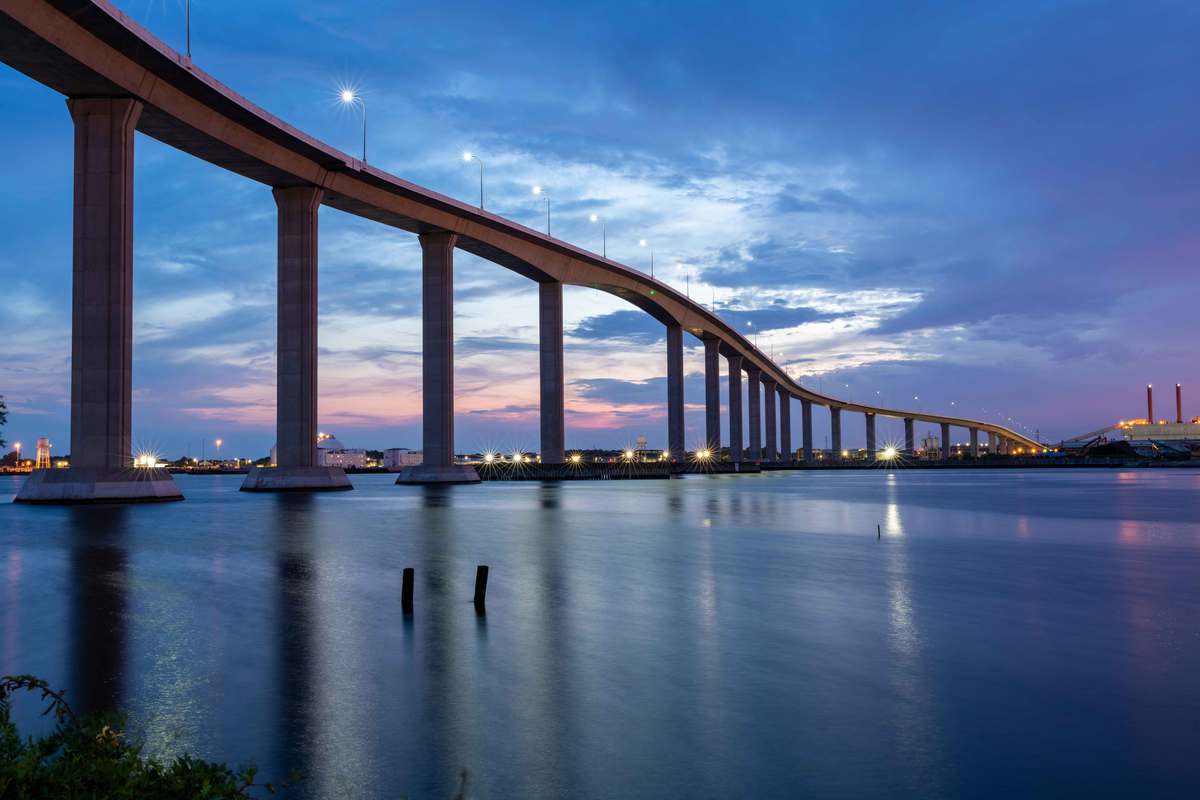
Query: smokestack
{"type": "Point", "coordinates": [1150, 403]}
{"type": "Point", "coordinates": [1178, 403]}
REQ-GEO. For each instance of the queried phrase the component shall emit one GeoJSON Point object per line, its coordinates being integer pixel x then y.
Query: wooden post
{"type": "Point", "coordinates": [406, 591]}
{"type": "Point", "coordinates": [481, 576]}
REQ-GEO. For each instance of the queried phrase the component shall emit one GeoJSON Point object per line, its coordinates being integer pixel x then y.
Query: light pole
{"type": "Point", "coordinates": [219, 442]}
{"type": "Point", "coordinates": [603, 235]}
{"type": "Point", "coordinates": [537, 190]}
{"type": "Point", "coordinates": [350, 98]}
{"type": "Point", "coordinates": [187, 21]}
{"type": "Point", "coordinates": [642, 243]}
{"type": "Point", "coordinates": [17, 448]}
{"type": "Point", "coordinates": [469, 156]}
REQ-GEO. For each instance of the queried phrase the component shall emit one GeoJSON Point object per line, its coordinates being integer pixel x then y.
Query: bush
{"type": "Point", "coordinates": [90, 758]}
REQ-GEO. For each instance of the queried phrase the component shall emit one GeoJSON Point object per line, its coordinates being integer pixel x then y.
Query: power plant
{"type": "Point", "coordinates": [1144, 437]}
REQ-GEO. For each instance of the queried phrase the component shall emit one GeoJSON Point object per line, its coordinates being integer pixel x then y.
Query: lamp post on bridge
{"type": "Point", "coordinates": [350, 97]}
{"type": "Point", "coordinates": [537, 190]}
{"type": "Point", "coordinates": [187, 23]}
{"type": "Point", "coordinates": [469, 156]}
{"type": "Point", "coordinates": [603, 234]}
{"type": "Point", "coordinates": [642, 243]}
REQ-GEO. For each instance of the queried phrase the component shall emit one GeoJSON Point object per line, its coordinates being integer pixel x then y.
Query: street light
{"type": "Point", "coordinates": [603, 234]}
{"type": "Point", "coordinates": [469, 156]}
{"type": "Point", "coordinates": [537, 190]}
{"type": "Point", "coordinates": [349, 97]}
{"type": "Point", "coordinates": [642, 243]}
{"type": "Point", "coordinates": [219, 442]}
{"type": "Point", "coordinates": [17, 448]}
{"type": "Point", "coordinates": [187, 17]}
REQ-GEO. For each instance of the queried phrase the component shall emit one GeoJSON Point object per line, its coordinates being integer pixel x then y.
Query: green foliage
{"type": "Point", "coordinates": [91, 758]}
{"type": "Point", "coordinates": [3, 418]}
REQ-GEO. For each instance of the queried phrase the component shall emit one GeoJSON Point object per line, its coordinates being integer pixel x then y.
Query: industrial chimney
{"type": "Point", "coordinates": [1150, 403]}
{"type": "Point", "coordinates": [1178, 403]}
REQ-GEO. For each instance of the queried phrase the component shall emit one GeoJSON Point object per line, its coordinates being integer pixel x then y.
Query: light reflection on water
{"type": "Point", "coordinates": [715, 636]}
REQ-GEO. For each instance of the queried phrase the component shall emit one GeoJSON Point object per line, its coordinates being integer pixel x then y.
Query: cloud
{"type": "Point", "coordinates": [633, 327]}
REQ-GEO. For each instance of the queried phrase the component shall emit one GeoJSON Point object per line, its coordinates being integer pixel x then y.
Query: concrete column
{"type": "Point", "coordinates": [835, 432]}
{"type": "Point", "coordinates": [736, 440]}
{"type": "Point", "coordinates": [675, 443]}
{"type": "Point", "coordinates": [297, 467]}
{"type": "Point", "coordinates": [296, 382]}
{"type": "Point", "coordinates": [550, 339]}
{"type": "Point", "coordinates": [437, 366]}
{"type": "Point", "coordinates": [769, 453]}
{"type": "Point", "coordinates": [102, 290]}
{"type": "Point", "coordinates": [785, 427]}
{"type": "Point", "coordinates": [910, 439]}
{"type": "Point", "coordinates": [945, 441]}
{"type": "Point", "coordinates": [992, 449]}
{"type": "Point", "coordinates": [870, 436]}
{"type": "Point", "coordinates": [712, 393]}
{"type": "Point", "coordinates": [807, 430]}
{"type": "Point", "coordinates": [753, 382]}
{"type": "Point", "coordinates": [101, 318]}
{"type": "Point", "coordinates": [974, 442]}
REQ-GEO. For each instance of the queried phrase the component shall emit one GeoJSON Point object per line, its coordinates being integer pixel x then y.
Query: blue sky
{"type": "Point", "coordinates": [989, 207]}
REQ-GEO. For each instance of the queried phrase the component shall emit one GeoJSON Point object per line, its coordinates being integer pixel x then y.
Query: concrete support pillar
{"type": "Point", "coordinates": [806, 433]}
{"type": "Point", "coordinates": [550, 340]}
{"type": "Point", "coordinates": [296, 382]}
{"type": "Point", "coordinates": [945, 441]}
{"type": "Point", "coordinates": [101, 319]}
{"type": "Point", "coordinates": [297, 467]}
{"type": "Point", "coordinates": [992, 446]}
{"type": "Point", "coordinates": [835, 432]}
{"type": "Point", "coordinates": [974, 442]}
{"type": "Point", "coordinates": [736, 440]}
{"type": "Point", "coordinates": [753, 382]}
{"type": "Point", "coordinates": [870, 436]}
{"type": "Point", "coordinates": [675, 443]}
{"type": "Point", "coordinates": [712, 393]}
{"type": "Point", "coordinates": [437, 366]}
{"type": "Point", "coordinates": [772, 438]}
{"type": "Point", "coordinates": [785, 427]}
{"type": "Point", "coordinates": [910, 439]}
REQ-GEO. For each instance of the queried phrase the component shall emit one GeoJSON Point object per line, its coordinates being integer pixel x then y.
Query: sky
{"type": "Point", "coordinates": [984, 209]}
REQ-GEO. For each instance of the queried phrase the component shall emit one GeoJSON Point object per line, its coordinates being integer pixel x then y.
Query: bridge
{"type": "Point", "coordinates": [119, 79]}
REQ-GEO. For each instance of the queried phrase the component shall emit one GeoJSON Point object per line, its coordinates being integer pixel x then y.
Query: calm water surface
{"type": "Point", "coordinates": [1010, 634]}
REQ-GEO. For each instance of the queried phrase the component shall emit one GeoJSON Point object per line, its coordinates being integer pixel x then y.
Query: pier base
{"type": "Point", "coordinates": [99, 485]}
{"type": "Point", "coordinates": [429, 473]}
{"type": "Point", "coordinates": [296, 479]}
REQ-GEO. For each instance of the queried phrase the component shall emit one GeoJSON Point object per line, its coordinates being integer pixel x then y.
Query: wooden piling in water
{"type": "Point", "coordinates": [481, 576]}
{"type": "Point", "coordinates": [406, 591]}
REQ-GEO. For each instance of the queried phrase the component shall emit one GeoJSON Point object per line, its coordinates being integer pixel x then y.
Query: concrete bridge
{"type": "Point", "coordinates": [118, 79]}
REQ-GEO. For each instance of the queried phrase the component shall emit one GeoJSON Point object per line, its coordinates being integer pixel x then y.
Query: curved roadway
{"type": "Point", "coordinates": [90, 48]}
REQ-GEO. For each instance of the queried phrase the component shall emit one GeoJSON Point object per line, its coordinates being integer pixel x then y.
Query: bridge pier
{"type": "Point", "coordinates": [785, 427]}
{"type": "Point", "coordinates": [753, 383]}
{"type": "Point", "coordinates": [772, 439]}
{"type": "Point", "coordinates": [437, 366]}
{"type": "Point", "coordinates": [101, 320]}
{"type": "Point", "coordinates": [712, 393]}
{"type": "Point", "coordinates": [550, 361]}
{"type": "Point", "coordinates": [675, 427]}
{"type": "Point", "coordinates": [297, 467]}
{"type": "Point", "coordinates": [974, 442]}
{"type": "Point", "coordinates": [870, 419]}
{"type": "Point", "coordinates": [992, 449]}
{"type": "Point", "coordinates": [736, 440]}
{"type": "Point", "coordinates": [910, 439]}
{"type": "Point", "coordinates": [835, 432]}
{"type": "Point", "coordinates": [806, 429]}
{"type": "Point", "coordinates": [945, 441]}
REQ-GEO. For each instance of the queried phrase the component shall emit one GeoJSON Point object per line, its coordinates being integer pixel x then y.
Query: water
{"type": "Point", "coordinates": [1010, 634]}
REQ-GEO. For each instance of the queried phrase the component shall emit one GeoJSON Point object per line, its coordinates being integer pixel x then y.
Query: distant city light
{"type": "Point", "coordinates": [889, 453]}
{"type": "Point", "coordinates": [628, 455]}
{"type": "Point", "coordinates": [517, 458]}
{"type": "Point", "coordinates": [704, 454]}
{"type": "Point", "coordinates": [576, 458]}
{"type": "Point", "coordinates": [489, 458]}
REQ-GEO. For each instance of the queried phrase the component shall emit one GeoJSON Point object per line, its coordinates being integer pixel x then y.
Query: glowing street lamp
{"type": "Point", "coordinates": [642, 243]}
{"type": "Point", "coordinates": [628, 455]}
{"type": "Point", "coordinates": [17, 448]}
{"type": "Point", "coordinates": [469, 156]}
{"type": "Point", "coordinates": [603, 234]}
{"type": "Point", "coordinates": [575, 458]}
{"type": "Point", "coordinates": [349, 97]}
{"type": "Point", "coordinates": [538, 191]}
{"type": "Point", "coordinates": [218, 443]}
{"type": "Point", "coordinates": [889, 454]}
